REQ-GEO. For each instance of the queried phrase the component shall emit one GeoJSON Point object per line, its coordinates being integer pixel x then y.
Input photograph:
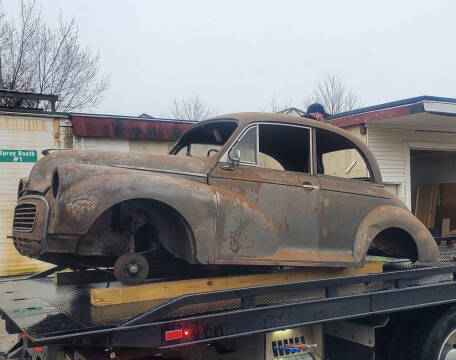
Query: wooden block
{"type": "Point", "coordinates": [447, 204]}
{"type": "Point", "coordinates": [162, 291]}
{"type": "Point", "coordinates": [448, 194]}
{"type": "Point", "coordinates": [426, 204]}
{"type": "Point", "coordinates": [445, 227]}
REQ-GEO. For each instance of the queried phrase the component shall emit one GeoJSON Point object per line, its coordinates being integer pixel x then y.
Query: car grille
{"type": "Point", "coordinates": [24, 217]}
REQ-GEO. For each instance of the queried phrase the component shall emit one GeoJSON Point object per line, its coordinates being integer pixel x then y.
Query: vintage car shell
{"type": "Point", "coordinates": [222, 222]}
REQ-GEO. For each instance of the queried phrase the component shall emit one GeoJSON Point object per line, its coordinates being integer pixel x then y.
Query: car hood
{"type": "Point", "coordinates": [41, 173]}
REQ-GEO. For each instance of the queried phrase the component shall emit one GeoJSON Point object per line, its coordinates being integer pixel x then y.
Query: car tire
{"type": "Point", "coordinates": [434, 334]}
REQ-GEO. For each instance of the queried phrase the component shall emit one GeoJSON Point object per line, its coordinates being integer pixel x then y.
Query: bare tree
{"type": "Point", "coordinates": [334, 95]}
{"type": "Point", "coordinates": [2, 31]}
{"type": "Point", "coordinates": [192, 108]}
{"type": "Point", "coordinates": [40, 58]}
{"type": "Point", "coordinates": [275, 106]}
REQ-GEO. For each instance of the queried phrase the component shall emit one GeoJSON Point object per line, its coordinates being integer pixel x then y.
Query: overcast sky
{"type": "Point", "coordinates": [238, 54]}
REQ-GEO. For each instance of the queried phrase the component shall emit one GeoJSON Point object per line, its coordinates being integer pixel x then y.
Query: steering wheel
{"type": "Point", "coordinates": [211, 150]}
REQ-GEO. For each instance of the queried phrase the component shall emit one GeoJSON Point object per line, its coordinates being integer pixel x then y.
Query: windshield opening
{"type": "Point", "coordinates": [205, 140]}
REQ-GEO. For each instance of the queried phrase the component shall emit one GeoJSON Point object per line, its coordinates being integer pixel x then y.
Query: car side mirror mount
{"type": "Point", "coordinates": [234, 159]}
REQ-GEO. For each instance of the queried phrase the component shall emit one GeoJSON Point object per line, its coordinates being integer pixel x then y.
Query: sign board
{"type": "Point", "coordinates": [18, 155]}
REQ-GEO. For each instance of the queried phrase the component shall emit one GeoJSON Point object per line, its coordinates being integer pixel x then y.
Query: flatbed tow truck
{"type": "Point", "coordinates": [407, 311]}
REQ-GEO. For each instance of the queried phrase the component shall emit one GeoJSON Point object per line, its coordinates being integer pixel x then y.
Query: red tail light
{"type": "Point", "coordinates": [177, 334]}
{"type": "Point", "coordinates": [173, 335]}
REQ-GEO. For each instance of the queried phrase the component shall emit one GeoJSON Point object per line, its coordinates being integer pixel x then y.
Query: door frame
{"type": "Point", "coordinates": [224, 158]}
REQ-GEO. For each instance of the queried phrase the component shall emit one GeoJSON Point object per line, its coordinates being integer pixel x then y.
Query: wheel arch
{"type": "Point", "coordinates": [394, 241]}
{"type": "Point", "coordinates": [173, 231]}
{"type": "Point", "coordinates": [84, 202]}
{"type": "Point", "coordinates": [403, 226]}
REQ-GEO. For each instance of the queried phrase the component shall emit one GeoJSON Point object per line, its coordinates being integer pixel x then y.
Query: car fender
{"type": "Point", "coordinates": [81, 203]}
{"type": "Point", "coordinates": [389, 216]}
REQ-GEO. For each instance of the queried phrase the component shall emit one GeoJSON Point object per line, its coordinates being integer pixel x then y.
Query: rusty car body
{"type": "Point", "coordinates": [213, 201]}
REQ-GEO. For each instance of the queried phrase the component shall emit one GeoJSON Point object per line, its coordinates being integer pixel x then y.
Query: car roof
{"type": "Point", "coordinates": [246, 118]}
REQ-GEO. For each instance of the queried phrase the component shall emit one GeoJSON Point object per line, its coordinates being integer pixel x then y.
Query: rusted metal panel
{"type": "Point", "coordinates": [396, 217]}
{"type": "Point", "coordinates": [255, 226]}
{"type": "Point", "coordinates": [128, 128]}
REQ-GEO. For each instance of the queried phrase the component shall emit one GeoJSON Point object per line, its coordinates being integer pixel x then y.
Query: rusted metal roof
{"type": "Point", "coordinates": [125, 127]}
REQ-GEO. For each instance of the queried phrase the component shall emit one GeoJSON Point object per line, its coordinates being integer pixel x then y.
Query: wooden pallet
{"type": "Point", "coordinates": [162, 291]}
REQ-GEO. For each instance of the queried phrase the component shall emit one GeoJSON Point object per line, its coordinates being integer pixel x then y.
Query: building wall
{"type": "Point", "coordinates": [389, 147]}
{"type": "Point", "coordinates": [152, 147]}
{"type": "Point", "coordinates": [144, 146]}
{"type": "Point", "coordinates": [355, 131]}
{"type": "Point", "coordinates": [20, 133]}
{"type": "Point", "coordinates": [93, 143]}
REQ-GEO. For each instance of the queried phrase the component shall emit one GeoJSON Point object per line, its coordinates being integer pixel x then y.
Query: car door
{"type": "Point", "coordinates": [348, 192]}
{"type": "Point", "coordinates": [269, 210]}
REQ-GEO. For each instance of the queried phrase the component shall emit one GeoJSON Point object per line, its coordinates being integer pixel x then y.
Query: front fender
{"type": "Point", "coordinates": [388, 216]}
{"type": "Point", "coordinates": [81, 203]}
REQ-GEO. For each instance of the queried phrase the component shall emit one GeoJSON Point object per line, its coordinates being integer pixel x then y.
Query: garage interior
{"type": "Point", "coordinates": [433, 190]}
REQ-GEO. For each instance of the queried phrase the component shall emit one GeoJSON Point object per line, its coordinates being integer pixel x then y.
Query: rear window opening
{"type": "Point", "coordinates": [339, 157]}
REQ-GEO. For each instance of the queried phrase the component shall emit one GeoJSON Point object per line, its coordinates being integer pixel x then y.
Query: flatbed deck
{"type": "Point", "coordinates": [48, 313]}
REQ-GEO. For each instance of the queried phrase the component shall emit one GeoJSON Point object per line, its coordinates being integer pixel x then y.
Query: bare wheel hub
{"type": "Point", "coordinates": [131, 269]}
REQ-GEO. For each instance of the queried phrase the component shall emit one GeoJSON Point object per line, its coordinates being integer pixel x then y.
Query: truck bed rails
{"type": "Point", "coordinates": [48, 313]}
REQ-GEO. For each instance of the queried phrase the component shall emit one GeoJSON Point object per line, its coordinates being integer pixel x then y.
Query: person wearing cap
{"type": "Point", "coordinates": [316, 111]}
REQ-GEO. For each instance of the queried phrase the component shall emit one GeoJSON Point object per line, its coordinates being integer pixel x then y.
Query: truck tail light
{"type": "Point", "coordinates": [177, 334]}
{"type": "Point", "coordinates": [173, 335]}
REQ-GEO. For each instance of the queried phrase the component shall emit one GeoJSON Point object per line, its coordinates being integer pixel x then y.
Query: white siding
{"type": "Point", "coordinates": [150, 146]}
{"type": "Point", "coordinates": [24, 133]}
{"type": "Point", "coordinates": [388, 146]}
{"type": "Point", "coordinates": [95, 143]}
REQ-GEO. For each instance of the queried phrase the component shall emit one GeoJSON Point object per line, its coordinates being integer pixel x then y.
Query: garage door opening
{"type": "Point", "coordinates": [433, 189]}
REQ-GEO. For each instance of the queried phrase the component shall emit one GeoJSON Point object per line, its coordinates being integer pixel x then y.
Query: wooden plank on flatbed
{"type": "Point", "coordinates": [162, 291]}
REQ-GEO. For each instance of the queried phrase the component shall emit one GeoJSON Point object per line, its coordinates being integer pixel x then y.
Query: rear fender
{"type": "Point", "coordinates": [385, 217]}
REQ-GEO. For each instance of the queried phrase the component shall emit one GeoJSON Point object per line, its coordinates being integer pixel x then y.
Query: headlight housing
{"type": "Point", "coordinates": [22, 184]}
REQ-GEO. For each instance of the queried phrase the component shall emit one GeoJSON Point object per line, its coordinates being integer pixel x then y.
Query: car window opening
{"type": "Point", "coordinates": [205, 140]}
{"type": "Point", "coordinates": [276, 147]}
{"type": "Point", "coordinates": [337, 156]}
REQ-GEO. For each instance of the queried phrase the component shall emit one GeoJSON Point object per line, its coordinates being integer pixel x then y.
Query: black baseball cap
{"type": "Point", "coordinates": [316, 107]}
